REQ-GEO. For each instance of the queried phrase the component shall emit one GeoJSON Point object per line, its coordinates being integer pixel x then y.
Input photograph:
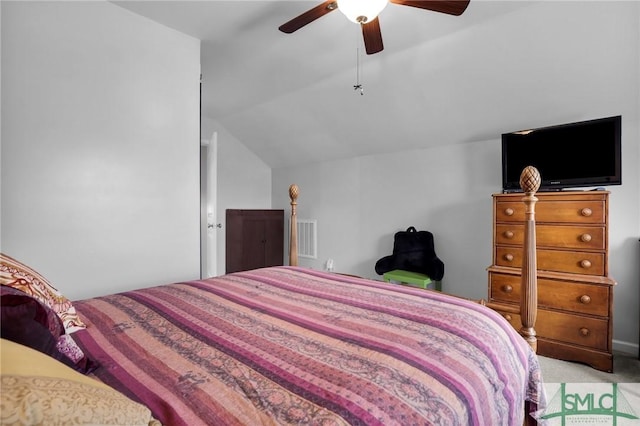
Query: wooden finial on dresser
{"type": "Point", "coordinates": [530, 183]}
{"type": "Point", "coordinates": [293, 226]}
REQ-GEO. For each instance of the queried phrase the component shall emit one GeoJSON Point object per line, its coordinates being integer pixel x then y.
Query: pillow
{"type": "Point", "coordinates": [16, 303]}
{"type": "Point", "coordinates": [37, 389]}
{"type": "Point", "coordinates": [27, 321]}
{"type": "Point", "coordinates": [17, 275]}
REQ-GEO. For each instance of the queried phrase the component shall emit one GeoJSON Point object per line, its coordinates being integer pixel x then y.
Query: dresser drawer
{"type": "Point", "coordinates": [574, 237]}
{"type": "Point", "coordinates": [574, 262]}
{"type": "Point", "coordinates": [579, 212]}
{"type": "Point", "coordinates": [585, 331]}
{"type": "Point", "coordinates": [568, 328]}
{"type": "Point", "coordinates": [590, 299]}
{"type": "Point", "coordinates": [511, 317]}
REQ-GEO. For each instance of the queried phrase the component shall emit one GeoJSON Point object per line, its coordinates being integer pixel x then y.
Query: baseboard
{"type": "Point", "coordinates": [626, 347]}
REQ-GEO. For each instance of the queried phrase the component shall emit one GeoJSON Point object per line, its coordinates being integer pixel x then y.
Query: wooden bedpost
{"type": "Point", "coordinates": [529, 182]}
{"type": "Point", "coordinates": [293, 226]}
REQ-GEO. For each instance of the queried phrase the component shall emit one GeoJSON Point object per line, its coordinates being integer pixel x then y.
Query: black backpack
{"type": "Point", "coordinates": [413, 251]}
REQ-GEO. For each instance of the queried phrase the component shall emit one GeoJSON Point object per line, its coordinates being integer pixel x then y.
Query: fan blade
{"type": "Point", "coordinates": [372, 37]}
{"type": "Point", "coordinates": [450, 7]}
{"type": "Point", "coordinates": [309, 16]}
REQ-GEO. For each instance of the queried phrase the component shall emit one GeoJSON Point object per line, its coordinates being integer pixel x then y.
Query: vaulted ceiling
{"type": "Point", "coordinates": [290, 98]}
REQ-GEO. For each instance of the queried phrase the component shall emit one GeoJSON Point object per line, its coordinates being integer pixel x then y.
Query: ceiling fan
{"type": "Point", "coordinates": [365, 13]}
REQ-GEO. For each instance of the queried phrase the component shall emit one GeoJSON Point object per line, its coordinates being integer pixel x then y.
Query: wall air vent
{"type": "Point", "coordinates": [307, 238]}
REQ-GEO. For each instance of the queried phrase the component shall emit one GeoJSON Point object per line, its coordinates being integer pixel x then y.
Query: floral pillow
{"type": "Point", "coordinates": [18, 275]}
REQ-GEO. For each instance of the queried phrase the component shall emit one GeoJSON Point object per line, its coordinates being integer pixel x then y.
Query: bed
{"type": "Point", "coordinates": [296, 346]}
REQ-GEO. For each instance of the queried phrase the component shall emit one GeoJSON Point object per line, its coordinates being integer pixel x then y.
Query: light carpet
{"type": "Point", "coordinates": [626, 369]}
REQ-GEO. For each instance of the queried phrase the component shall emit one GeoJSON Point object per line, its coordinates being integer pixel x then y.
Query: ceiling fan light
{"type": "Point", "coordinates": [361, 11]}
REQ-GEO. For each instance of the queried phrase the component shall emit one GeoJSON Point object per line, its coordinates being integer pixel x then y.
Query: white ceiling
{"type": "Point", "coordinates": [289, 98]}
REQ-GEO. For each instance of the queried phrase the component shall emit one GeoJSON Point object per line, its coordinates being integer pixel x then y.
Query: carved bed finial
{"type": "Point", "coordinates": [293, 193]}
{"type": "Point", "coordinates": [530, 179]}
{"type": "Point", "coordinates": [293, 226]}
{"type": "Point", "coordinates": [529, 182]}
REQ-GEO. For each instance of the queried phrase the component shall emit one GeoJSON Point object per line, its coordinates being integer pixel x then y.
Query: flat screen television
{"type": "Point", "coordinates": [582, 154]}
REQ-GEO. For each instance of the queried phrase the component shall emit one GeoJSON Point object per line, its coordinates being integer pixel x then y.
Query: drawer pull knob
{"type": "Point", "coordinates": [507, 288]}
{"type": "Point", "coordinates": [586, 264]}
{"type": "Point", "coordinates": [507, 317]}
{"type": "Point", "coordinates": [585, 238]}
{"type": "Point", "coordinates": [586, 212]}
{"type": "Point", "coordinates": [584, 331]}
{"type": "Point", "coordinates": [508, 234]}
{"type": "Point", "coordinates": [508, 212]}
{"type": "Point", "coordinates": [508, 257]}
{"type": "Point", "coordinates": [585, 299]}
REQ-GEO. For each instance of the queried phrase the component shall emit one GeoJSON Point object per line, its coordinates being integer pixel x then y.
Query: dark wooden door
{"type": "Point", "coordinates": [254, 239]}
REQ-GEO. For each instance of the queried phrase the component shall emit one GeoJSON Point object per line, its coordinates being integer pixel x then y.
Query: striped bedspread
{"type": "Point", "coordinates": [289, 345]}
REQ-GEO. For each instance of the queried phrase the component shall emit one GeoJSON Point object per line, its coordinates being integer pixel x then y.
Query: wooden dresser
{"type": "Point", "coordinates": [575, 292]}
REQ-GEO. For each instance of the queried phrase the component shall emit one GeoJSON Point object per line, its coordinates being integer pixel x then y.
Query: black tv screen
{"type": "Point", "coordinates": [582, 154]}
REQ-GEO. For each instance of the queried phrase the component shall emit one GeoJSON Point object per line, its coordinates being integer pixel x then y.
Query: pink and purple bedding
{"type": "Point", "coordinates": [289, 345]}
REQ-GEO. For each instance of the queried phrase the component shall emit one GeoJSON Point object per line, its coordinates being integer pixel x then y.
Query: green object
{"type": "Point", "coordinates": [411, 278]}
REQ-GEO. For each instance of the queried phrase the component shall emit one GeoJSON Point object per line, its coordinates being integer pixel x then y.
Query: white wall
{"type": "Point", "coordinates": [0, 128]}
{"type": "Point", "coordinates": [360, 203]}
{"type": "Point", "coordinates": [100, 146]}
{"type": "Point", "coordinates": [244, 180]}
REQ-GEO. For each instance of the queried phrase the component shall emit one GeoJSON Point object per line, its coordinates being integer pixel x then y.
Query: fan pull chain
{"type": "Point", "coordinates": [358, 85]}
